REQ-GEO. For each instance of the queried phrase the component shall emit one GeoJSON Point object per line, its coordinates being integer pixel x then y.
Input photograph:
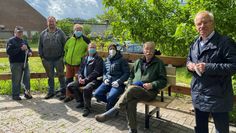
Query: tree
{"type": "Point", "coordinates": [66, 25]}
{"type": "Point", "coordinates": [167, 22]}
{"type": "Point", "coordinates": [86, 29]}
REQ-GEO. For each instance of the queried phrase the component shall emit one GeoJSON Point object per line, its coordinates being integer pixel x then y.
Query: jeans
{"type": "Point", "coordinates": [221, 121]}
{"type": "Point", "coordinates": [17, 70]}
{"type": "Point", "coordinates": [49, 67]}
{"type": "Point", "coordinates": [112, 96]}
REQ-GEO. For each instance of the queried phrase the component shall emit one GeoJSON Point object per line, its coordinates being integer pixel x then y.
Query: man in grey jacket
{"type": "Point", "coordinates": [51, 51]}
{"type": "Point", "coordinates": [212, 61]}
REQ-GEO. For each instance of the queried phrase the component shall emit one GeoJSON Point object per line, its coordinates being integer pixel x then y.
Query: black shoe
{"type": "Point", "coordinates": [62, 97]}
{"type": "Point", "coordinates": [133, 131]}
{"type": "Point", "coordinates": [28, 96]}
{"type": "Point", "coordinates": [68, 99]}
{"type": "Point", "coordinates": [86, 112]}
{"type": "Point", "coordinates": [17, 98]}
{"type": "Point", "coordinates": [80, 105]}
{"type": "Point", "coordinates": [49, 95]}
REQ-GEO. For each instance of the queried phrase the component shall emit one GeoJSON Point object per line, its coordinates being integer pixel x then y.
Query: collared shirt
{"type": "Point", "coordinates": [203, 42]}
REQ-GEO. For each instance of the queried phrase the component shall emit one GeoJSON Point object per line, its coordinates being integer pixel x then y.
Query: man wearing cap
{"type": "Point", "coordinates": [51, 51]}
{"type": "Point", "coordinates": [16, 50]}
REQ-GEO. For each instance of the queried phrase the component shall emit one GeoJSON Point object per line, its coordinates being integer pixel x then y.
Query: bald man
{"type": "Point", "coordinates": [212, 61]}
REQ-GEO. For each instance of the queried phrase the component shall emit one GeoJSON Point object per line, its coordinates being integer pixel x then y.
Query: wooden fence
{"type": "Point", "coordinates": [175, 61]}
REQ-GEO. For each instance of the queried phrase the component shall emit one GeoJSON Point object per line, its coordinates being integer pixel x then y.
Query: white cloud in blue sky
{"type": "Point", "coordinates": [68, 8]}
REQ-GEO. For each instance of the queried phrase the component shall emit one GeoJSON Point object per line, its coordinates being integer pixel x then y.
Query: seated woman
{"type": "Point", "coordinates": [90, 69]}
{"type": "Point", "coordinates": [115, 73]}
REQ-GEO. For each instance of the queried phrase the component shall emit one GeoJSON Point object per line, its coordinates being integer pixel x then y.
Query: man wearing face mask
{"type": "Point", "coordinates": [75, 49]}
{"type": "Point", "coordinates": [91, 67]}
{"type": "Point", "coordinates": [115, 73]}
{"type": "Point", "coordinates": [147, 77]}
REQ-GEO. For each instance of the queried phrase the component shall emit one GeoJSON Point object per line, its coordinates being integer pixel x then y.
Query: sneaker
{"type": "Point", "coordinates": [28, 96]}
{"type": "Point", "coordinates": [49, 95]}
{"type": "Point", "coordinates": [101, 118]}
{"type": "Point", "coordinates": [80, 105]}
{"type": "Point", "coordinates": [68, 99]}
{"type": "Point", "coordinates": [17, 98]}
{"type": "Point", "coordinates": [86, 112]}
{"type": "Point", "coordinates": [113, 112]}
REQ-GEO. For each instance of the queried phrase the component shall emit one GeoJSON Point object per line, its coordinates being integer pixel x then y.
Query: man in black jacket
{"type": "Point", "coordinates": [90, 69]}
{"type": "Point", "coordinates": [212, 61]}
{"type": "Point", "coordinates": [16, 49]}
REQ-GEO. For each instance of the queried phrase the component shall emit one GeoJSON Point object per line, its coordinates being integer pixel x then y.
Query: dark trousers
{"type": "Point", "coordinates": [128, 102]}
{"type": "Point", "coordinates": [221, 121]}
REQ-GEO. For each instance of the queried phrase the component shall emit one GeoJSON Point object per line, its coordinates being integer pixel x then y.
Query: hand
{"type": "Point", "coordinates": [201, 67]}
{"type": "Point", "coordinates": [30, 54]}
{"type": "Point", "coordinates": [81, 81]}
{"type": "Point", "coordinates": [24, 47]}
{"type": "Point", "coordinates": [191, 66]}
{"type": "Point", "coordinates": [106, 81]}
{"type": "Point", "coordinates": [115, 84]}
{"type": "Point", "coordinates": [147, 86]}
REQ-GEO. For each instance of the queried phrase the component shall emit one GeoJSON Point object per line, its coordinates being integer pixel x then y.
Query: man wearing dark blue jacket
{"type": "Point", "coordinates": [16, 49]}
{"type": "Point", "coordinates": [212, 61]}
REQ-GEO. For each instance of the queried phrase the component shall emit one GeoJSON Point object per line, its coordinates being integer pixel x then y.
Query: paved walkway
{"type": "Point", "coordinates": [53, 116]}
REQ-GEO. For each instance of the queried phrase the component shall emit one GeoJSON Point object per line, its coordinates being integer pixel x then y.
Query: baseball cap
{"type": "Point", "coordinates": [19, 29]}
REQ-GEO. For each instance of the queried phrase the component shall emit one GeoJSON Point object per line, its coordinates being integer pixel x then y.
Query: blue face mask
{"type": "Point", "coordinates": [92, 51]}
{"type": "Point", "coordinates": [78, 33]}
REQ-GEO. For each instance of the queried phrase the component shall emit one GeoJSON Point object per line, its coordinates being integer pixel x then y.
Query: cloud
{"type": "Point", "coordinates": [68, 8]}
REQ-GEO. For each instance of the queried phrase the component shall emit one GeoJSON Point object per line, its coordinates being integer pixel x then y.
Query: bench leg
{"type": "Point", "coordinates": [169, 90]}
{"type": "Point", "coordinates": [162, 96]}
{"type": "Point", "coordinates": [158, 112]}
{"type": "Point", "coordinates": [147, 117]}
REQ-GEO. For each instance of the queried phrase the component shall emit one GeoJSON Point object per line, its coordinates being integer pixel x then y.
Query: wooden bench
{"type": "Point", "coordinates": [160, 101]}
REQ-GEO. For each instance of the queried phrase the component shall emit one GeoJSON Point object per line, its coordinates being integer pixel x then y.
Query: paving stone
{"type": "Point", "coordinates": [53, 116]}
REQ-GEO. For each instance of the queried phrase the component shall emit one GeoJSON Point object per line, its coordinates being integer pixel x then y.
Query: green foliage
{"type": "Point", "coordinates": [66, 25]}
{"type": "Point", "coordinates": [86, 29]}
{"type": "Point", "coordinates": [168, 23]}
{"type": "Point", "coordinates": [35, 38]}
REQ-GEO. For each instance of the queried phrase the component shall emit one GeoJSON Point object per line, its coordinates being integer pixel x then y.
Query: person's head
{"type": "Point", "coordinates": [51, 23]}
{"type": "Point", "coordinates": [18, 31]}
{"type": "Point", "coordinates": [78, 30]}
{"type": "Point", "coordinates": [92, 48]}
{"type": "Point", "coordinates": [112, 50]}
{"type": "Point", "coordinates": [204, 22]}
{"type": "Point", "coordinates": [149, 50]}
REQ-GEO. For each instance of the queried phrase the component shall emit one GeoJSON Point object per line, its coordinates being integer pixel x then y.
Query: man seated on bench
{"type": "Point", "coordinates": [147, 77]}
{"type": "Point", "coordinates": [90, 68]}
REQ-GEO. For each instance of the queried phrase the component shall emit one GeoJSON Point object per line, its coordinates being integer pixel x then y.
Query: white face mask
{"type": "Point", "coordinates": [112, 52]}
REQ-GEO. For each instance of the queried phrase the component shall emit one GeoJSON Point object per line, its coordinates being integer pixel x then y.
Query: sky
{"type": "Point", "coordinates": [68, 8]}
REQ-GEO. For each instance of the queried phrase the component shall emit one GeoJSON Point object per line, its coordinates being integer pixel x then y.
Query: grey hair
{"type": "Point", "coordinates": [150, 43]}
{"type": "Point", "coordinates": [210, 14]}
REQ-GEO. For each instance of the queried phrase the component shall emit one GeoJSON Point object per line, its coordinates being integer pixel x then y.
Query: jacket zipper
{"type": "Point", "coordinates": [73, 51]}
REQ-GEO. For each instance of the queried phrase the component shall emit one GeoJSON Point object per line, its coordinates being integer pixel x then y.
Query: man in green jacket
{"type": "Point", "coordinates": [147, 77]}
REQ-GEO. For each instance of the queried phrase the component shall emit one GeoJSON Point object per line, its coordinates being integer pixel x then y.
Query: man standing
{"type": "Point", "coordinates": [75, 49]}
{"type": "Point", "coordinates": [17, 49]}
{"type": "Point", "coordinates": [147, 77]}
{"type": "Point", "coordinates": [51, 51]}
{"type": "Point", "coordinates": [212, 61]}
